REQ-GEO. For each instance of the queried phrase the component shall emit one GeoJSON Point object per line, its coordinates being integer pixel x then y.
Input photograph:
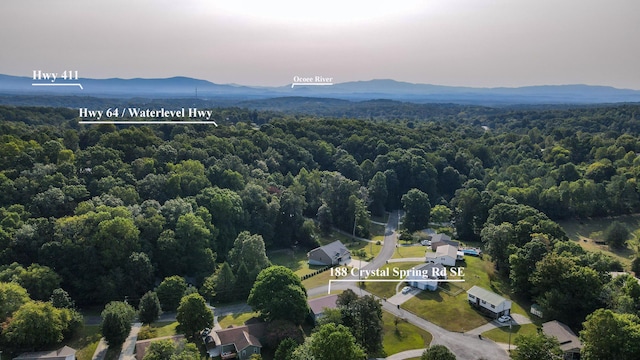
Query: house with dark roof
{"type": "Point", "coordinates": [334, 253]}
{"type": "Point", "coordinates": [442, 239]}
{"type": "Point", "coordinates": [569, 342]}
{"type": "Point", "coordinates": [319, 305]}
{"type": "Point", "coordinates": [238, 342]}
{"type": "Point", "coordinates": [426, 276]}
{"type": "Point", "coordinates": [64, 353]}
{"type": "Point", "coordinates": [445, 255]}
{"type": "Point", "coordinates": [488, 302]}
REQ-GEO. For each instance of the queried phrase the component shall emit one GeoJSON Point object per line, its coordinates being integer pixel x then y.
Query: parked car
{"type": "Point", "coordinates": [504, 318]}
{"type": "Point", "coordinates": [425, 243]}
{"type": "Point", "coordinates": [406, 289]}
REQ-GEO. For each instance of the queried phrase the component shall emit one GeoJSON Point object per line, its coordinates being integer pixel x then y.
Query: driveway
{"type": "Point", "coordinates": [517, 320]}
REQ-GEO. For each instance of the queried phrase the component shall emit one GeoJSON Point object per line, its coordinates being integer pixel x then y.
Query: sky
{"type": "Point", "coordinates": [478, 43]}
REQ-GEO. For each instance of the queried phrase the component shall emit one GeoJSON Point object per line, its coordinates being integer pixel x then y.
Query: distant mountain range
{"type": "Point", "coordinates": [184, 87]}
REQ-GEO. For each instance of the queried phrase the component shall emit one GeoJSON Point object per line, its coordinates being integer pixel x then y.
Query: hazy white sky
{"type": "Point", "coordinates": [484, 43]}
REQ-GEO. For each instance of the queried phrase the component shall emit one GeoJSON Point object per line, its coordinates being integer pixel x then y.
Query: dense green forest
{"type": "Point", "coordinates": [102, 211]}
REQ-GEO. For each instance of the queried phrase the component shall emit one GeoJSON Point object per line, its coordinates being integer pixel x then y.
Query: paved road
{"type": "Point", "coordinates": [517, 320]}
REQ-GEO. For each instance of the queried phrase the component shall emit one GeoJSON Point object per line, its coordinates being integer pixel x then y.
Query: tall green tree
{"type": "Point", "coordinates": [330, 342]}
{"type": "Point", "coordinates": [437, 352]}
{"type": "Point", "coordinates": [170, 291]}
{"type": "Point", "coordinates": [12, 297]}
{"type": "Point", "coordinates": [277, 285]}
{"type": "Point", "coordinates": [536, 347]}
{"type": "Point", "coordinates": [418, 209]}
{"type": "Point", "coordinates": [616, 235]}
{"type": "Point", "coordinates": [285, 349]}
{"type": "Point", "coordinates": [149, 309]}
{"type": "Point", "coordinates": [378, 193]}
{"type": "Point", "coordinates": [363, 316]}
{"type": "Point", "coordinates": [116, 322]}
{"type": "Point", "coordinates": [607, 335]}
{"type": "Point", "coordinates": [35, 325]}
{"type": "Point", "coordinates": [194, 315]}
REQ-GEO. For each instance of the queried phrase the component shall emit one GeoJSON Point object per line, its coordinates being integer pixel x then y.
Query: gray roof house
{"type": "Point", "coordinates": [64, 353]}
{"type": "Point", "coordinates": [426, 276]}
{"type": "Point", "coordinates": [488, 302]}
{"type": "Point", "coordinates": [238, 342]}
{"type": "Point", "coordinates": [318, 305]}
{"type": "Point", "coordinates": [442, 239]}
{"type": "Point", "coordinates": [569, 343]}
{"type": "Point", "coordinates": [331, 254]}
{"type": "Point", "coordinates": [445, 255]}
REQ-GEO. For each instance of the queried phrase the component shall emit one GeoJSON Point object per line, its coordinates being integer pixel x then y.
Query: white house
{"type": "Point", "coordinates": [488, 301]}
{"type": "Point", "coordinates": [445, 255]}
{"type": "Point", "coordinates": [331, 254]}
{"type": "Point", "coordinates": [426, 276]}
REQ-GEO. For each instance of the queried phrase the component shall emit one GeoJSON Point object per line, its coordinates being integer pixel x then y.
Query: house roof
{"type": "Point", "coordinates": [425, 269]}
{"type": "Point", "coordinates": [50, 355]}
{"type": "Point", "coordinates": [318, 305]}
{"type": "Point", "coordinates": [440, 237]}
{"type": "Point", "coordinates": [486, 295]}
{"type": "Point", "coordinates": [447, 250]}
{"type": "Point", "coordinates": [567, 338]}
{"type": "Point", "coordinates": [241, 336]}
{"type": "Point", "coordinates": [334, 250]}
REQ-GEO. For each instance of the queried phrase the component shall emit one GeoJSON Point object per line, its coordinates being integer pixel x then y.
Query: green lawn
{"type": "Point", "coordinates": [454, 312]}
{"type": "Point", "coordinates": [318, 280]}
{"type": "Point", "coordinates": [407, 336]}
{"type": "Point", "coordinates": [502, 334]}
{"type": "Point", "coordinates": [86, 341]}
{"type": "Point", "coordinates": [410, 251]}
{"type": "Point", "coordinates": [235, 319]}
{"type": "Point", "coordinates": [587, 232]}
{"type": "Point", "coordinates": [297, 261]}
{"type": "Point", "coordinates": [388, 289]}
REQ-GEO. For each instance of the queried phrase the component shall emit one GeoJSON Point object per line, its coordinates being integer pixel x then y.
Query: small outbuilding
{"type": "Point", "coordinates": [334, 253]}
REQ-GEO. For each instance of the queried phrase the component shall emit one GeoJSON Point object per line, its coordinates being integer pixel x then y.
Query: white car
{"type": "Point", "coordinates": [406, 289]}
{"type": "Point", "coordinates": [504, 318]}
{"type": "Point", "coordinates": [425, 243]}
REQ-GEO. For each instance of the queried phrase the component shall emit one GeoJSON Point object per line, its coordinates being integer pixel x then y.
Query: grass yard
{"type": "Point", "coordinates": [235, 319]}
{"type": "Point", "coordinates": [388, 289]}
{"type": "Point", "coordinates": [454, 312]}
{"type": "Point", "coordinates": [86, 341]}
{"type": "Point", "coordinates": [318, 280]}
{"type": "Point", "coordinates": [297, 261]}
{"type": "Point", "coordinates": [502, 334]}
{"type": "Point", "coordinates": [410, 251]}
{"type": "Point", "coordinates": [371, 250]}
{"type": "Point", "coordinates": [407, 337]}
{"type": "Point", "coordinates": [587, 232]}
